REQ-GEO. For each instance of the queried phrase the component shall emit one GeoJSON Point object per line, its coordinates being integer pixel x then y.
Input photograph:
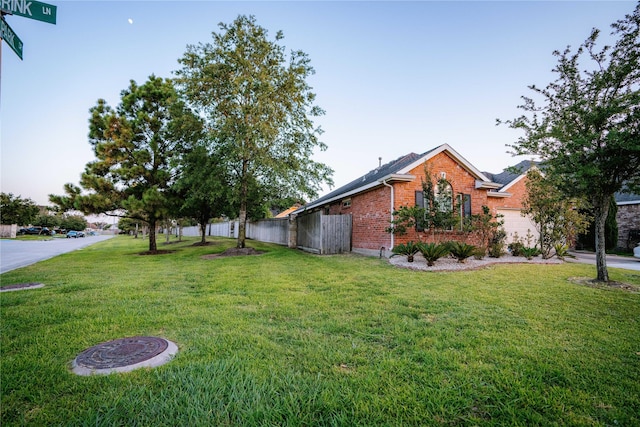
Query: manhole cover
{"type": "Point", "coordinates": [20, 286]}
{"type": "Point", "coordinates": [124, 355]}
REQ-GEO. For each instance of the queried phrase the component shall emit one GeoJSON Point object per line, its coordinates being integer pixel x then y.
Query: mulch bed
{"type": "Point", "coordinates": [593, 283]}
{"type": "Point", "coordinates": [234, 252]}
{"type": "Point", "coordinates": [205, 244]}
{"type": "Point", "coordinates": [156, 252]}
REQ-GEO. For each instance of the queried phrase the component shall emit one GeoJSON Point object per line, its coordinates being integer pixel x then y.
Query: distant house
{"type": "Point", "coordinates": [372, 198]}
{"type": "Point", "coordinates": [507, 200]}
{"type": "Point", "coordinates": [285, 213]}
{"type": "Point", "coordinates": [628, 219]}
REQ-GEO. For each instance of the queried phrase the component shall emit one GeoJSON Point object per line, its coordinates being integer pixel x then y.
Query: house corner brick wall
{"type": "Point", "coordinates": [628, 218]}
{"type": "Point", "coordinates": [371, 212]}
{"type": "Point", "coordinates": [517, 190]}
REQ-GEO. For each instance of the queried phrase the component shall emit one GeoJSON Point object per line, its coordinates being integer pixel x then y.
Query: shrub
{"type": "Point", "coordinates": [496, 243]}
{"type": "Point", "coordinates": [433, 251]}
{"type": "Point", "coordinates": [562, 250]}
{"type": "Point", "coordinates": [461, 251]}
{"type": "Point", "coordinates": [409, 249]}
{"type": "Point", "coordinates": [496, 250]}
{"type": "Point", "coordinates": [516, 248]}
{"type": "Point", "coordinates": [529, 253]}
{"type": "Point", "coordinates": [479, 253]}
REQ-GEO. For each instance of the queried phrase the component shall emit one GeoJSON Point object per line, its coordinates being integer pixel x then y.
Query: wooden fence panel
{"type": "Point", "coordinates": [274, 230]}
{"type": "Point", "coordinates": [310, 232]}
{"type": "Point", "coordinates": [8, 231]}
{"type": "Point", "coordinates": [321, 234]}
{"type": "Point", "coordinates": [191, 231]}
{"type": "Point", "coordinates": [220, 229]}
{"type": "Point", "coordinates": [336, 234]}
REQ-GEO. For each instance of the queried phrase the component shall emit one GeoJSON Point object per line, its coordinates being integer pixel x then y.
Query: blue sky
{"type": "Point", "coordinates": [393, 77]}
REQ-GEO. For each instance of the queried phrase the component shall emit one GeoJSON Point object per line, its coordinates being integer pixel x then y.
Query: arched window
{"type": "Point", "coordinates": [443, 196]}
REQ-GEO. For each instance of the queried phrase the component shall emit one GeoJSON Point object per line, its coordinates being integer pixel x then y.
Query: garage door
{"type": "Point", "coordinates": [516, 223]}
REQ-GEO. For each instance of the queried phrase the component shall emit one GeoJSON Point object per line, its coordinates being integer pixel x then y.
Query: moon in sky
{"type": "Point", "coordinates": [130, 21]}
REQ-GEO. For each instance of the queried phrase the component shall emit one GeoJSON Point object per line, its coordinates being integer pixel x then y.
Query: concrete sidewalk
{"type": "Point", "coordinates": [20, 253]}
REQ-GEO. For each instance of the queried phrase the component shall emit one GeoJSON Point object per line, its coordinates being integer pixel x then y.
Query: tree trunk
{"type": "Point", "coordinates": [203, 230]}
{"type": "Point", "coordinates": [242, 225]}
{"type": "Point", "coordinates": [152, 236]}
{"type": "Point", "coordinates": [601, 210]}
{"type": "Point", "coordinates": [242, 220]}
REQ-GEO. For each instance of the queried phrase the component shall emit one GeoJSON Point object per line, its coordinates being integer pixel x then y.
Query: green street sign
{"type": "Point", "coordinates": [11, 38]}
{"type": "Point", "coordinates": [30, 9]}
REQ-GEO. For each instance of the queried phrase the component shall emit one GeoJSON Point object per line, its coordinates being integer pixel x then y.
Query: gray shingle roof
{"type": "Point", "coordinates": [511, 173]}
{"type": "Point", "coordinates": [374, 175]}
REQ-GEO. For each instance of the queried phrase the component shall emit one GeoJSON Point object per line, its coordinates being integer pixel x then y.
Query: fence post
{"type": "Point", "coordinates": [293, 231]}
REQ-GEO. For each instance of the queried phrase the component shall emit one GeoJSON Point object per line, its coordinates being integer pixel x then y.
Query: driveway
{"type": "Point", "coordinates": [614, 261]}
{"type": "Point", "coordinates": [20, 253]}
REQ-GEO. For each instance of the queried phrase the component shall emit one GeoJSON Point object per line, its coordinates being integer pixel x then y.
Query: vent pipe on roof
{"type": "Point", "coordinates": [379, 161]}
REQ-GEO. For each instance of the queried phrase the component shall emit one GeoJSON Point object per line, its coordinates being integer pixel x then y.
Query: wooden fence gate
{"type": "Point", "coordinates": [324, 234]}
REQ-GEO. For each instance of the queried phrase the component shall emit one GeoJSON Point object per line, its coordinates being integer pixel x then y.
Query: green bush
{"type": "Point", "coordinates": [496, 243]}
{"type": "Point", "coordinates": [516, 248]}
{"type": "Point", "coordinates": [461, 251]}
{"type": "Point", "coordinates": [562, 250]}
{"type": "Point", "coordinates": [409, 249]}
{"type": "Point", "coordinates": [433, 251]}
{"type": "Point", "coordinates": [529, 253]}
{"type": "Point", "coordinates": [479, 253]}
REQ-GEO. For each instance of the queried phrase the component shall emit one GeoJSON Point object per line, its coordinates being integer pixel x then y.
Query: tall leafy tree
{"type": "Point", "coordinates": [586, 124]}
{"type": "Point", "coordinates": [45, 219]}
{"type": "Point", "coordinates": [203, 189]}
{"type": "Point", "coordinates": [16, 210]}
{"type": "Point", "coordinates": [259, 109]}
{"type": "Point", "coordinates": [135, 147]}
{"type": "Point", "coordinates": [558, 219]}
{"type": "Point", "coordinates": [73, 222]}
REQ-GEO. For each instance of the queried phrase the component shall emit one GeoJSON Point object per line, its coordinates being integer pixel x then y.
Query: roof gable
{"type": "Point", "coordinates": [512, 174]}
{"type": "Point", "coordinates": [453, 153]}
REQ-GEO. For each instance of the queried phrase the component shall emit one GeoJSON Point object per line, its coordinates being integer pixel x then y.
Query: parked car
{"type": "Point", "coordinates": [636, 251]}
{"type": "Point", "coordinates": [35, 231]}
{"type": "Point", "coordinates": [74, 234]}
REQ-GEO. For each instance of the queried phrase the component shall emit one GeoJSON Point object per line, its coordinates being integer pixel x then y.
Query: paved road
{"type": "Point", "coordinates": [613, 261]}
{"type": "Point", "coordinates": [20, 253]}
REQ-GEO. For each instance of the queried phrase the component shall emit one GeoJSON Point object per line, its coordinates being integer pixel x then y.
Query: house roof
{"type": "Point", "coordinates": [627, 198]}
{"type": "Point", "coordinates": [287, 211]}
{"type": "Point", "coordinates": [511, 173]}
{"type": "Point", "coordinates": [397, 169]}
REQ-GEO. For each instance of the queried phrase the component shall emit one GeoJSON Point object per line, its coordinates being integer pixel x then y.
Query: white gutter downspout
{"type": "Point", "coordinates": [384, 182]}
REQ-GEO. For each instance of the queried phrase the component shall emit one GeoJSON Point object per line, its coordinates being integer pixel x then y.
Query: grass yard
{"type": "Point", "coordinates": [292, 339]}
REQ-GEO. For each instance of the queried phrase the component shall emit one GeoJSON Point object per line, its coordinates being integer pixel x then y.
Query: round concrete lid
{"type": "Point", "coordinates": [124, 355]}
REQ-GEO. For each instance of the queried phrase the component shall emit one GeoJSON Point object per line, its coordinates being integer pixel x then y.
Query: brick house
{"type": "Point", "coordinates": [628, 219]}
{"type": "Point", "coordinates": [371, 199]}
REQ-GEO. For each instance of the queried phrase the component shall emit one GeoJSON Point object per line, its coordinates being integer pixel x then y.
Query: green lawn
{"type": "Point", "coordinates": [289, 338]}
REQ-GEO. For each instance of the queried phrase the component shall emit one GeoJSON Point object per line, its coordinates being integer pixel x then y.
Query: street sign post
{"type": "Point", "coordinates": [8, 35]}
{"type": "Point", "coordinates": [30, 9]}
